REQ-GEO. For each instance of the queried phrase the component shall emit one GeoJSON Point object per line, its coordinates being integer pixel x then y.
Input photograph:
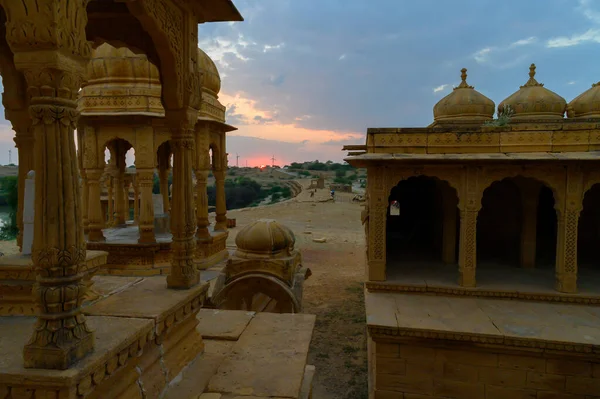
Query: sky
{"type": "Point", "coordinates": [302, 78]}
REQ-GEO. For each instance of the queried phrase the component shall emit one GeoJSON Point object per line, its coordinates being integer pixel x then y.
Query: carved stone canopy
{"type": "Point", "coordinates": [464, 103]}
{"type": "Point", "coordinates": [534, 101]}
{"type": "Point", "coordinates": [264, 238]}
{"type": "Point", "coordinates": [586, 105]}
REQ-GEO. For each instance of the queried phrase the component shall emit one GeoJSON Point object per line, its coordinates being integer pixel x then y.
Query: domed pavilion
{"type": "Point", "coordinates": [474, 211]}
{"type": "Point", "coordinates": [121, 110]}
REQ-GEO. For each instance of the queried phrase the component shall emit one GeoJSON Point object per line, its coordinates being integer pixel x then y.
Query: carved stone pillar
{"type": "Point", "coordinates": [145, 180]}
{"type": "Point", "coordinates": [24, 142]}
{"type": "Point", "coordinates": [94, 206]}
{"type": "Point", "coordinates": [85, 199]}
{"type": "Point", "coordinates": [54, 74]}
{"type": "Point", "coordinates": [183, 226]}
{"type": "Point", "coordinates": [126, 204]}
{"type": "Point", "coordinates": [449, 203]}
{"type": "Point", "coordinates": [530, 192]}
{"type": "Point", "coordinates": [118, 181]}
{"type": "Point", "coordinates": [467, 254]}
{"type": "Point", "coordinates": [136, 203]}
{"type": "Point", "coordinates": [202, 205]}
{"type": "Point", "coordinates": [163, 177]}
{"type": "Point", "coordinates": [376, 240]}
{"type": "Point", "coordinates": [568, 211]}
{"type": "Point", "coordinates": [221, 204]}
{"type": "Point", "coordinates": [110, 200]}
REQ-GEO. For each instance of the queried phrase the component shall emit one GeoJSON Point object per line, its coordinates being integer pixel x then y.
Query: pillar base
{"type": "Point", "coordinates": [182, 282]}
{"type": "Point", "coordinates": [467, 279]}
{"type": "Point", "coordinates": [96, 236]}
{"type": "Point", "coordinates": [376, 271]}
{"type": "Point", "coordinates": [47, 357]}
{"type": "Point", "coordinates": [566, 283]}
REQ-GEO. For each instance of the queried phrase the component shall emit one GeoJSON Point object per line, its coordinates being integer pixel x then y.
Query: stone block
{"type": "Point", "coordinates": [459, 372]}
{"type": "Point", "coordinates": [468, 357]}
{"type": "Point", "coordinates": [388, 395]}
{"type": "Point", "coordinates": [420, 353]}
{"type": "Point", "coordinates": [519, 362]}
{"type": "Point", "coordinates": [457, 389]}
{"type": "Point", "coordinates": [223, 324]}
{"type": "Point", "coordinates": [583, 385]}
{"type": "Point", "coordinates": [402, 383]}
{"type": "Point", "coordinates": [269, 359]}
{"type": "Point", "coordinates": [180, 355]}
{"type": "Point", "coordinates": [578, 140]}
{"type": "Point", "coordinates": [526, 141]}
{"type": "Point", "coordinates": [389, 365]}
{"type": "Point", "coordinates": [503, 377]}
{"type": "Point", "coordinates": [496, 392]}
{"type": "Point", "coordinates": [153, 380]}
{"type": "Point", "coordinates": [559, 395]}
{"type": "Point", "coordinates": [550, 382]}
{"type": "Point", "coordinates": [387, 350]}
{"type": "Point", "coordinates": [569, 367]}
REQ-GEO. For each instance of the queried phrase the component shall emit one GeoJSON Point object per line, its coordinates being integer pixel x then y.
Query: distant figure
{"type": "Point", "coordinates": [312, 194]}
{"type": "Point", "coordinates": [333, 195]}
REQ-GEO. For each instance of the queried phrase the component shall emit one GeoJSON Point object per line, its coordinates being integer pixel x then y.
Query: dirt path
{"type": "Point", "coordinates": [333, 292]}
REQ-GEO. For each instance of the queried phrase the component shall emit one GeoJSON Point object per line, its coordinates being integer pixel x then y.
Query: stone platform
{"type": "Point", "coordinates": [127, 257]}
{"type": "Point", "coordinates": [493, 280]}
{"type": "Point", "coordinates": [17, 277]}
{"type": "Point", "coordinates": [439, 347]}
{"type": "Point", "coordinates": [149, 344]}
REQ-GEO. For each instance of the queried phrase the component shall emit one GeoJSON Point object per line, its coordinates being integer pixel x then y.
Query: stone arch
{"type": "Point", "coordinates": [425, 227]}
{"type": "Point", "coordinates": [516, 225]}
{"type": "Point", "coordinates": [588, 231]}
{"type": "Point", "coordinates": [214, 157]}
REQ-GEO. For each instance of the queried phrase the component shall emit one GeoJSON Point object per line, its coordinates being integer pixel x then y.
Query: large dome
{"type": "Point", "coordinates": [120, 81]}
{"type": "Point", "coordinates": [212, 79]}
{"type": "Point", "coordinates": [464, 104]}
{"type": "Point", "coordinates": [534, 101]}
{"type": "Point", "coordinates": [586, 105]}
{"type": "Point", "coordinates": [265, 237]}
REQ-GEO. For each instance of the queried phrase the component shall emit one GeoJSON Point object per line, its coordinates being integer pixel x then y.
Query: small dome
{"type": "Point", "coordinates": [212, 79]}
{"type": "Point", "coordinates": [464, 103]}
{"type": "Point", "coordinates": [120, 81]}
{"type": "Point", "coordinates": [534, 101]}
{"type": "Point", "coordinates": [586, 105]}
{"type": "Point", "coordinates": [265, 237]}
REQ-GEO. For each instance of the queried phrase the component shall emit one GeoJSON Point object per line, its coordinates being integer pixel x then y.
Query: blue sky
{"type": "Point", "coordinates": [301, 78]}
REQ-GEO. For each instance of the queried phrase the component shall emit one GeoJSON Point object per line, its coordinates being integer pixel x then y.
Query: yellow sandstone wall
{"type": "Point", "coordinates": [417, 371]}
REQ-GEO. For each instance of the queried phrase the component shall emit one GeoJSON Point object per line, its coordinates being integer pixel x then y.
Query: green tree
{"type": "Point", "coordinates": [10, 192]}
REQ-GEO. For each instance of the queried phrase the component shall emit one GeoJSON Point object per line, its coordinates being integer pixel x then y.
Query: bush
{"type": "Point", "coordinates": [10, 191]}
{"type": "Point", "coordinates": [340, 173]}
{"type": "Point", "coordinates": [275, 197]}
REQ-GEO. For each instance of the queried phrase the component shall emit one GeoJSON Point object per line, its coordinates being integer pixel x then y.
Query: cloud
{"type": "Point", "coordinates": [571, 82]}
{"type": "Point", "coordinates": [268, 47]}
{"type": "Point", "coordinates": [440, 88]}
{"type": "Point", "coordinates": [342, 57]}
{"type": "Point", "coordinates": [507, 56]}
{"type": "Point", "coordinates": [592, 35]}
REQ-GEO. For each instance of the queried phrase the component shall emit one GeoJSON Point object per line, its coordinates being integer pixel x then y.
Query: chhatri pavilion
{"type": "Point", "coordinates": [129, 74]}
{"type": "Point", "coordinates": [467, 222]}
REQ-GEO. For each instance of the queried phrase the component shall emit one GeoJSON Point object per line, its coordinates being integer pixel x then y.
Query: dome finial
{"type": "Point", "coordinates": [463, 76]}
{"type": "Point", "coordinates": [532, 81]}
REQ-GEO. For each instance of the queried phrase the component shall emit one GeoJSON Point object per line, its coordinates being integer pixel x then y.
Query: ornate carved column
{"type": "Point", "coordinates": [118, 182]}
{"type": "Point", "coordinates": [377, 214]}
{"type": "Point", "coordinates": [126, 204]}
{"type": "Point", "coordinates": [94, 206]}
{"type": "Point", "coordinates": [53, 61]}
{"type": "Point", "coordinates": [530, 193]}
{"type": "Point", "coordinates": [145, 180]}
{"type": "Point", "coordinates": [136, 202]}
{"type": "Point", "coordinates": [449, 203]}
{"type": "Point", "coordinates": [21, 123]}
{"type": "Point", "coordinates": [85, 199]}
{"type": "Point", "coordinates": [163, 177]}
{"type": "Point", "coordinates": [469, 210]}
{"type": "Point", "coordinates": [221, 204]}
{"type": "Point", "coordinates": [110, 200]}
{"type": "Point", "coordinates": [183, 226]}
{"type": "Point", "coordinates": [568, 211]}
{"type": "Point", "coordinates": [202, 205]}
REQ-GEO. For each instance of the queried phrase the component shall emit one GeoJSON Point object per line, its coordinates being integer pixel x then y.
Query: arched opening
{"type": "Point", "coordinates": [516, 227]}
{"type": "Point", "coordinates": [116, 197]}
{"type": "Point", "coordinates": [422, 225]}
{"type": "Point", "coordinates": [588, 237]}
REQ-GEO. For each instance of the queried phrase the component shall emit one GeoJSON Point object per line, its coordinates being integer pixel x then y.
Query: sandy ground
{"type": "Point", "coordinates": [334, 291]}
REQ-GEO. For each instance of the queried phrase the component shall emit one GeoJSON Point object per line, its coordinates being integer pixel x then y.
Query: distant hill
{"type": "Point", "coordinates": [9, 170]}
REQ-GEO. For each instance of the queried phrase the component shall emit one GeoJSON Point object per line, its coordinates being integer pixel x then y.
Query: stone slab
{"type": "Point", "coordinates": [109, 285]}
{"type": "Point", "coordinates": [269, 358]}
{"type": "Point", "coordinates": [148, 299]}
{"type": "Point", "coordinates": [504, 319]}
{"type": "Point", "coordinates": [221, 324]}
{"type": "Point", "coordinates": [113, 334]}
